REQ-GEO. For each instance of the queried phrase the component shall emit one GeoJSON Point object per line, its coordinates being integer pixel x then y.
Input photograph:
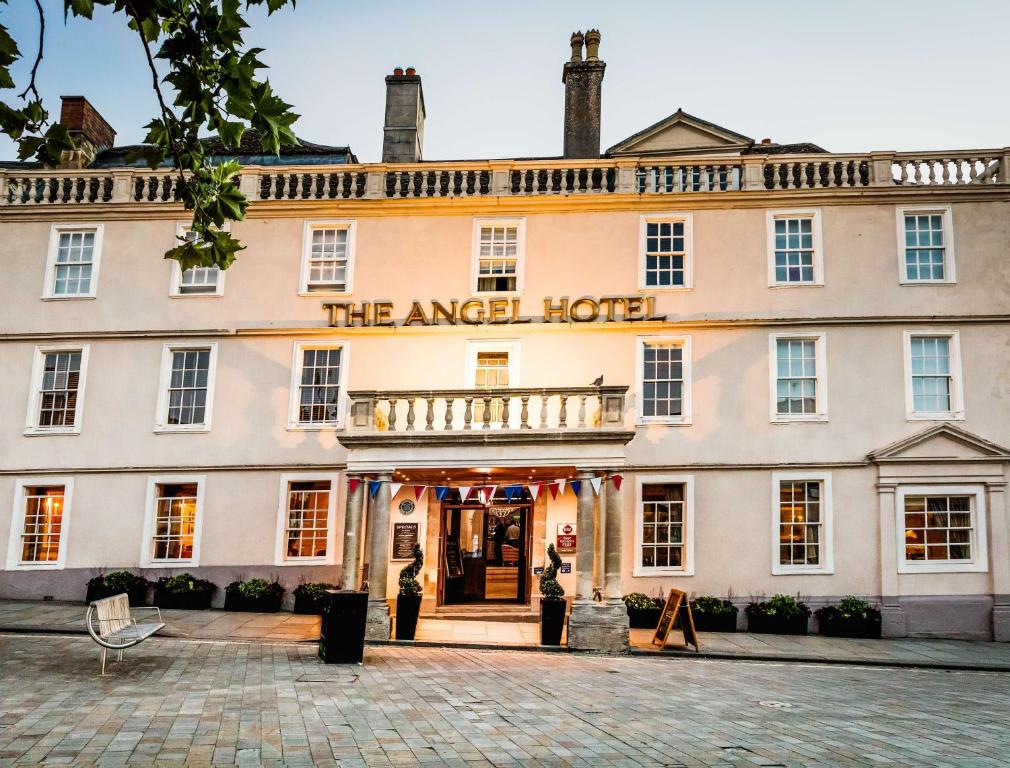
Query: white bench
{"type": "Point", "coordinates": [116, 629]}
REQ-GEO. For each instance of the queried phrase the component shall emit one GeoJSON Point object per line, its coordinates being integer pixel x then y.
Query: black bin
{"type": "Point", "coordinates": [342, 631]}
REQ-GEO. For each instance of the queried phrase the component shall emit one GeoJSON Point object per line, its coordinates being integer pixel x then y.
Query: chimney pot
{"type": "Point", "coordinates": [593, 45]}
{"type": "Point", "coordinates": [89, 130]}
{"type": "Point", "coordinates": [403, 131]}
{"type": "Point", "coordinates": [766, 141]}
{"type": "Point", "coordinates": [398, 71]}
{"type": "Point", "coordinates": [577, 40]}
{"type": "Point", "coordinates": [411, 71]}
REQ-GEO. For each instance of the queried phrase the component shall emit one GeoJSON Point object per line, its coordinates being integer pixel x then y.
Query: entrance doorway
{"type": "Point", "coordinates": [485, 551]}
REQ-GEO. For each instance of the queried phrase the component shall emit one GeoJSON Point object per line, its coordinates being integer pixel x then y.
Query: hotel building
{"type": "Point", "coordinates": [693, 360]}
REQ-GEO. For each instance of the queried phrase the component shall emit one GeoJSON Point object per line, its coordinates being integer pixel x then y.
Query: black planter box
{"type": "Point", "coordinates": [644, 618]}
{"type": "Point", "coordinates": [236, 601]}
{"type": "Point", "coordinates": [407, 609]}
{"type": "Point", "coordinates": [777, 625]}
{"type": "Point", "coordinates": [309, 605]}
{"type": "Point", "coordinates": [552, 621]}
{"type": "Point", "coordinates": [190, 601]}
{"type": "Point", "coordinates": [854, 626]}
{"type": "Point", "coordinates": [714, 622]}
{"type": "Point", "coordinates": [137, 595]}
{"type": "Point", "coordinates": [342, 630]}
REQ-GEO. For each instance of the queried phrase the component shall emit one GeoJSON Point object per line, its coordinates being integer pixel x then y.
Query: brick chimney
{"type": "Point", "coordinates": [403, 133]}
{"type": "Point", "coordinates": [89, 130]}
{"type": "Point", "coordinates": [583, 89]}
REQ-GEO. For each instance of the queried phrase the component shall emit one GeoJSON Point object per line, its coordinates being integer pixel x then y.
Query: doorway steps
{"type": "Point", "coordinates": [484, 612]}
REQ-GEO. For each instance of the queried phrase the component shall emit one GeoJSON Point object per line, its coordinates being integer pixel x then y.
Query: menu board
{"type": "Point", "coordinates": [676, 605]}
{"type": "Point", "coordinates": [405, 536]}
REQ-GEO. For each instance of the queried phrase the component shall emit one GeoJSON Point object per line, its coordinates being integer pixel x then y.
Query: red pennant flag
{"type": "Point", "coordinates": [418, 491]}
{"type": "Point", "coordinates": [353, 483]}
{"type": "Point", "coordinates": [618, 479]}
{"type": "Point", "coordinates": [553, 488]}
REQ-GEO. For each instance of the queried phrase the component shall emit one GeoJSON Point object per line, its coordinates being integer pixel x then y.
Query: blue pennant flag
{"type": "Point", "coordinates": [511, 491]}
{"type": "Point", "coordinates": [575, 485]}
{"type": "Point", "coordinates": [373, 488]}
{"type": "Point", "coordinates": [441, 491]}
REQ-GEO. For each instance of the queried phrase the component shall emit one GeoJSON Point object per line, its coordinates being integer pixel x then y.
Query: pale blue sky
{"type": "Point", "coordinates": [852, 75]}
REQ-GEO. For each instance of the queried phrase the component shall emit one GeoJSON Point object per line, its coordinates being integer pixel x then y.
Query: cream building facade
{"type": "Point", "coordinates": [765, 369]}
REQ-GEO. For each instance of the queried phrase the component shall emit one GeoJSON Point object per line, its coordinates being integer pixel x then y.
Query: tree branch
{"type": "Point", "coordinates": [38, 56]}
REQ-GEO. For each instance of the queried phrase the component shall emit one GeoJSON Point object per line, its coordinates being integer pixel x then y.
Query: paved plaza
{"type": "Point", "coordinates": [230, 702]}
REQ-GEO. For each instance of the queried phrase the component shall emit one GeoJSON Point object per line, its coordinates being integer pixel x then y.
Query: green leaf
{"type": "Point", "coordinates": [230, 133]}
{"type": "Point", "coordinates": [83, 8]}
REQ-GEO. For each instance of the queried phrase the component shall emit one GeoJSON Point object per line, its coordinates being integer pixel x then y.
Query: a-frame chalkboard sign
{"type": "Point", "coordinates": [671, 610]}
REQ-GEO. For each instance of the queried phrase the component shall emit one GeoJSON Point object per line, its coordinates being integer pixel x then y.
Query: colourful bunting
{"type": "Point", "coordinates": [554, 488]}
{"type": "Point", "coordinates": [441, 491]}
{"type": "Point", "coordinates": [464, 493]}
{"type": "Point", "coordinates": [353, 484]}
{"type": "Point", "coordinates": [561, 486]}
{"type": "Point", "coordinates": [617, 480]}
{"type": "Point", "coordinates": [394, 488]}
{"type": "Point", "coordinates": [419, 491]}
{"type": "Point", "coordinates": [373, 488]}
{"type": "Point", "coordinates": [576, 486]}
{"type": "Point", "coordinates": [535, 490]}
{"type": "Point", "coordinates": [596, 482]}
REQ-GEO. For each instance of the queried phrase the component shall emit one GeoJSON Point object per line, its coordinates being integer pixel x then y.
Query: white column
{"type": "Point", "coordinates": [351, 566]}
{"type": "Point", "coordinates": [613, 550]}
{"type": "Point", "coordinates": [894, 622]}
{"type": "Point", "coordinates": [378, 623]}
{"type": "Point", "coordinates": [585, 525]}
{"type": "Point", "coordinates": [999, 546]}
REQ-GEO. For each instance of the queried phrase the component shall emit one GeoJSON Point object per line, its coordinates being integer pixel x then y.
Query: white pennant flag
{"type": "Point", "coordinates": [534, 489]}
{"type": "Point", "coordinates": [394, 488]}
{"type": "Point", "coordinates": [561, 487]}
{"type": "Point", "coordinates": [596, 482]}
{"type": "Point", "coordinates": [464, 492]}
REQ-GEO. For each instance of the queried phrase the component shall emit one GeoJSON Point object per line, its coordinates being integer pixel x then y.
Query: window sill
{"type": "Point", "coordinates": [906, 567]}
{"type": "Point", "coordinates": [170, 564]}
{"type": "Point", "coordinates": [331, 294]}
{"type": "Point", "coordinates": [497, 294]}
{"type": "Point", "coordinates": [952, 416]}
{"type": "Point", "coordinates": [36, 567]}
{"type": "Point", "coordinates": [304, 561]}
{"type": "Point", "coordinates": [640, 572]}
{"type": "Point", "coordinates": [315, 427]}
{"type": "Point", "coordinates": [797, 285]}
{"type": "Point", "coordinates": [664, 288]}
{"type": "Point", "coordinates": [646, 422]}
{"type": "Point", "coordinates": [85, 296]}
{"type": "Point", "coordinates": [800, 571]}
{"type": "Point", "coordinates": [811, 419]}
{"type": "Point", "coordinates": [196, 295]}
{"type": "Point", "coordinates": [37, 432]}
{"type": "Point", "coordinates": [181, 430]}
{"type": "Point", "coordinates": [911, 283]}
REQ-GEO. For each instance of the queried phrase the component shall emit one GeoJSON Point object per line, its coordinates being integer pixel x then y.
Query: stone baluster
{"type": "Point", "coordinates": [563, 412]}
{"type": "Point", "coordinates": [410, 412]}
{"type": "Point", "coordinates": [468, 413]}
{"type": "Point", "coordinates": [543, 410]}
{"type": "Point", "coordinates": [505, 411]}
{"type": "Point", "coordinates": [486, 416]}
{"type": "Point", "coordinates": [524, 413]}
{"type": "Point", "coordinates": [449, 401]}
{"type": "Point", "coordinates": [392, 414]}
{"type": "Point", "coordinates": [582, 411]}
{"type": "Point", "coordinates": [430, 418]}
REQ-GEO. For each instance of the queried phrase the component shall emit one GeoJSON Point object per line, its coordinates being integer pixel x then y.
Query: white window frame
{"type": "Point", "coordinates": [351, 225]}
{"type": "Point", "coordinates": [175, 279]}
{"type": "Point", "coordinates": [14, 562]}
{"type": "Point", "coordinates": [280, 553]}
{"type": "Point", "coordinates": [814, 214]}
{"type": "Point", "coordinates": [949, 276]}
{"type": "Point", "coordinates": [32, 427]}
{"type": "Point", "coordinates": [473, 347]}
{"type": "Point", "coordinates": [161, 424]}
{"type": "Point", "coordinates": [688, 568]}
{"type": "Point", "coordinates": [827, 564]}
{"type": "Point", "coordinates": [48, 293]}
{"type": "Point", "coordinates": [979, 545]}
{"type": "Point", "coordinates": [296, 376]}
{"type": "Point", "coordinates": [520, 224]}
{"type": "Point", "coordinates": [663, 218]}
{"type": "Point", "coordinates": [147, 559]}
{"type": "Point", "coordinates": [956, 377]}
{"type": "Point", "coordinates": [685, 419]}
{"type": "Point", "coordinates": [821, 361]}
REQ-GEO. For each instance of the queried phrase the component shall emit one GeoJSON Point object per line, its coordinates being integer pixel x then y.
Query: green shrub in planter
{"type": "Point", "coordinates": [310, 597]}
{"type": "Point", "coordinates": [782, 615]}
{"type": "Point", "coordinates": [552, 601]}
{"type": "Point", "coordinates": [183, 591]}
{"type": "Point", "coordinates": [643, 611]}
{"type": "Point", "coordinates": [254, 595]}
{"type": "Point", "coordinates": [408, 600]}
{"type": "Point", "coordinates": [713, 614]}
{"type": "Point", "coordinates": [852, 617]}
{"type": "Point", "coordinates": [116, 583]}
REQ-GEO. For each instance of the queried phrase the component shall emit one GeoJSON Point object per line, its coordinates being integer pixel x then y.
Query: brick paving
{"type": "Point", "coordinates": [174, 701]}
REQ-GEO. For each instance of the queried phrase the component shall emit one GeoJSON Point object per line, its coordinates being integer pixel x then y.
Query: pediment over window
{"type": "Point", "coordinates": [943, 441]}
{"type": "Point", "coordinates": [681, 133]}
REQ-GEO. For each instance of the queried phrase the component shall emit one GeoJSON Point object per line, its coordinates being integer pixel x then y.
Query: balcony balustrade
{"type": "Point", "coordinates": [706, 174]}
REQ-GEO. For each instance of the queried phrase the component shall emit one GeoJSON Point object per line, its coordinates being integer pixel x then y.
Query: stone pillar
{"type": "Point", "coordinates": [600, 556]}
{"type": "Point", "coordinates": [999, 524]}
{"type": "Point", "coordinates": [894, 623]}
{"type": "Point", "coordinates": [613, 591]}
{"type": "Point", "coordinates": [351, 566]}
{"type": "Point", "coordinates": [378, 624]}
{"type": "Point", "coordinates": [593, 626]}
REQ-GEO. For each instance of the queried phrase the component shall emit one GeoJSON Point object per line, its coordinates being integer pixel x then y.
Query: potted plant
{"type": "Point", "coordinates": [643, 611]}
{"type": "Point", "coordinates": [254, 596]}
{"type": "Point", "coordinates": [408, 600]}
{"type": "Point", "coordinates": [852, 617]}
{"type": "Point", "coordinates": [183, 591]}
{"type": "Point", "coordinates": [781, 615]}
{"type": "Point", "coordinates": [552, 601]}
{"type": "Point", "coordinates": [116, 583]}
{"type": "Point", "coordinates": [310, 597]}
{"type": "Point", "coordinates": [713, 614]}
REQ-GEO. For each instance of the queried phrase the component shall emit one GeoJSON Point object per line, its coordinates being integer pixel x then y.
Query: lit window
{"type": "Point", "coordinates": [798, 384]}
{"type": "Point", "coordinates": [72, 267]}
{"type": "Point", "coordinates": [933, 364]}
{"type": "Point", "coordinates": [497, 256]}
{"type": "Point", "coordinates": [306, 531]}
{"type": "Point", "coordinates": [327, 257]}
{"type": "Point", "coordinates": [800, 522]}
{"type": "Point", "coordinates": [663, 525]}
{"type": "Point", "coordinates": [667, 253]}
{"type": "Point", "coordinates": [492, 372]}
{"type": "Point", "coordinates": [938, 528]}
{"type": "Point", "coordinates": [925, 249]}
{"type": "Point", "coordinates": [665, 380]}
{"type": "Point", "coordinates": [187, 388]}
{"type": "Point", "coordinates": [43, 524]}
{"type": "Point", "coordinates": [174, 521]}
{"type": "Point", "coordinates": [794, 248]}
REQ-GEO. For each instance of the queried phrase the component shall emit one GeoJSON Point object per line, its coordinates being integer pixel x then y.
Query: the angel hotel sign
{"type": "Point", "coordinates": [584, 309]}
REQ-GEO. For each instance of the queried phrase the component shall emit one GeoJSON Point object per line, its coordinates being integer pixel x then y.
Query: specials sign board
{"type": "Point", "coordinates": [584, 309]}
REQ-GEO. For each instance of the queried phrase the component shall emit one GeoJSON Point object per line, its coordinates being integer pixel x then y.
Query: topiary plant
{"type": "Point", "coordinates": [550, 588]}
{"type": "Point", "coordinates": [409, 585]}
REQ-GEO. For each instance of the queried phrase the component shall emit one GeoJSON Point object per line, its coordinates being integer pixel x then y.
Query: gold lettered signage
{"type": "Point", "coordinates": [584, 309]}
